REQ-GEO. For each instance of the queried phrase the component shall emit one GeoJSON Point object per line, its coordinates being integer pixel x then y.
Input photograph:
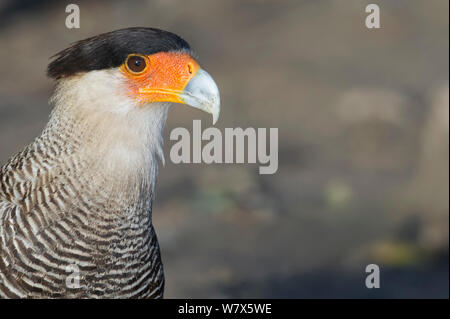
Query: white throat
{"type": "Point", "coordinates": [121, 139]}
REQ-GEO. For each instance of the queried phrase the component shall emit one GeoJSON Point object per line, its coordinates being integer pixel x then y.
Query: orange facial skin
{"type": "Point", "coordinates": [164, 78]}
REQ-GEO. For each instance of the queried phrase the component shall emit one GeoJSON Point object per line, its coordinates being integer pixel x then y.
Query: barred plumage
{"type": "Point", "coordinates": [57, 210]}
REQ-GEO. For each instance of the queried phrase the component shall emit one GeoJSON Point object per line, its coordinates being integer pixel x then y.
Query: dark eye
{"type": "Point", "coordinates": [136, 63]}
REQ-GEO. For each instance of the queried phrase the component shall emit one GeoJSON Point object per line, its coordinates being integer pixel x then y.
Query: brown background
{"type": "Point", "coordinates": [363, 122]}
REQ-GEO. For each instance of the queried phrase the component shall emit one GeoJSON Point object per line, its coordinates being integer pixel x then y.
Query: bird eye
{"type": "Point", "coordinates": [136, 63]}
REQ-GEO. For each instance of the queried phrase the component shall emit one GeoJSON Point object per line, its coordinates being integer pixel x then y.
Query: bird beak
{"type": "Point", "coordinates": [176, 77]}
{"type": "Point", "coordinates": [202, 93]}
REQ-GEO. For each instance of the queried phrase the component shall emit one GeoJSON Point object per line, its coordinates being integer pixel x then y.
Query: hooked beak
{"type": "Point", "coordinates": [202, 93]}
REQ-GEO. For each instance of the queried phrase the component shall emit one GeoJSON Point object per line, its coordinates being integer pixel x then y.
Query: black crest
{"type": "Point", "coordinates": [110, 50]}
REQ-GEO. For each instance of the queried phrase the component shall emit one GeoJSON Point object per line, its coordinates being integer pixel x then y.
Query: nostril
{"type": "Point", "coordinates": [190, 68]}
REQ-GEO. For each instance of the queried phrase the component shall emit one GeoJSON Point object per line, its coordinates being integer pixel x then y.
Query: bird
{"type": "Point", "coordinates": [76, 203]}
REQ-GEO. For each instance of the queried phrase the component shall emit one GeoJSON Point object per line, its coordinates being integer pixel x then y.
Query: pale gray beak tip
{"type": "Point", "coordinates": [215, 118]}
{"type": "Point", "coordinates": [203, 93]}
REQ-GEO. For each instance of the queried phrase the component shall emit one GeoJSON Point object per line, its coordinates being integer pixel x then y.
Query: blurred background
{"type": "Point", "coordinates": [363, 118]}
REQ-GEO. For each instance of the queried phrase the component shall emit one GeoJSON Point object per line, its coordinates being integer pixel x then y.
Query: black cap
{"type": "Point", "coordinates": [109, 50]}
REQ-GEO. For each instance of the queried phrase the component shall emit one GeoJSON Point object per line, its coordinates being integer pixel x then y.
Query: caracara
{"type": "Point", "coordinates": [76, 204]}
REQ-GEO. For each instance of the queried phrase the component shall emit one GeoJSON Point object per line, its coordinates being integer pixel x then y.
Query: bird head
{"type": "Point", "coordinates": [135, 68]}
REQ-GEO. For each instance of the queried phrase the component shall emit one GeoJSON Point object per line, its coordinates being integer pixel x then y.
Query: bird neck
{"type": "Point", "coordinates": [113, 155]}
